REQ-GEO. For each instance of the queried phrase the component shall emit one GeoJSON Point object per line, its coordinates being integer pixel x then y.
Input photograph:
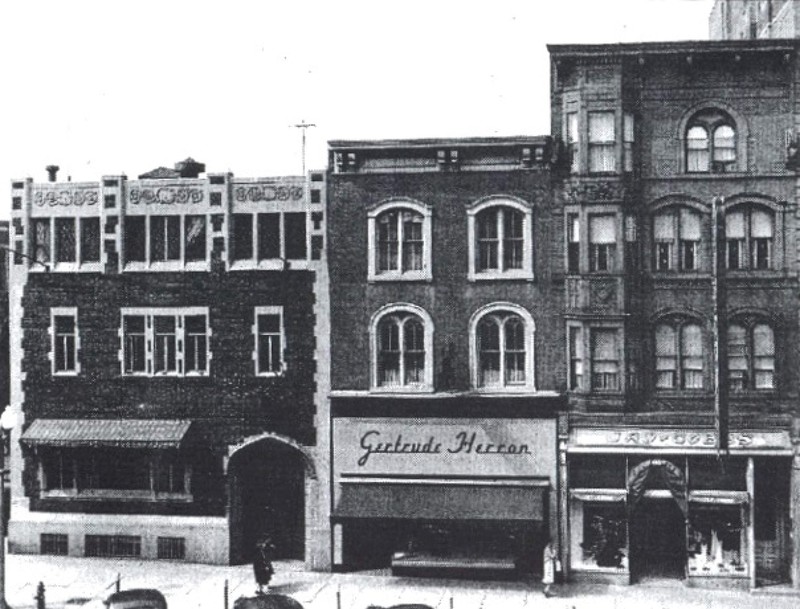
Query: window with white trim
{"type": "Point", "coordinates": [602, 243]}
{"type": "Point", "coordinates": [627, 142]}
{"type": "Point", "coordinates": [573, 142]}
{"type": "Point", "coordinates": [501, 242]}
{"type": "Point", "coordinates": [605, 359]}
{"type": "Point", "coordinates": [576, 363]}
{"type": "Point", "coordinates": [399, 241]}
{"type": "Point", "coordinates": [165, 341]}
{"type": "Point", "coordinates": [64, 341]}
{"type": "Point", "coordinates": [402, 347]}
{"type": "Point", "coordinates": [165, 241]}
{"type": "Point", "coordinates": [501, 337]}
{"type": "Point", "coordinates": [270, 341]}
{"type": "Point", "coordinates": [711, 142]}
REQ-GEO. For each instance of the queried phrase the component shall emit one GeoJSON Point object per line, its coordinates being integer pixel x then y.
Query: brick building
{"type": "Point", "coordinates": [448, 339]}
{"type": "Point", "coordinates": [681, 311]}
{"type": "Point", "coordinates": [167, 374]}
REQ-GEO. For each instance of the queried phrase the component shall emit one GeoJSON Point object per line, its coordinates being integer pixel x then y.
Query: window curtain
{"type": "Point", "coordinates": [761, 226]}
{"type": "Point", "coordinates": [603, 229]}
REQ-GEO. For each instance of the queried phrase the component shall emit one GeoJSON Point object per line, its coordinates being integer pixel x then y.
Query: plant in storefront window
{"type": "Point", "coordinates": [605, 542]}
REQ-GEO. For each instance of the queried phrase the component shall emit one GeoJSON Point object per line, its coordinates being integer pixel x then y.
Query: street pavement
{"type": "Point", "coordinates": [79, 583]}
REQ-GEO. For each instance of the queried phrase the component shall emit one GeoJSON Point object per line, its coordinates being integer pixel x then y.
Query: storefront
{"type": "Point", "coordinates": [434, 496]}
{"type": "Point", "coordinates": [657, 503]}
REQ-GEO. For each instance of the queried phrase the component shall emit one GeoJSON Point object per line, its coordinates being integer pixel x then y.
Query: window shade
{"type": "Point", "coordinates": [604, 344]}
{"type": "Point", "coordinates": [760, 224]}
{"type": "Point", "coordinates": [601, 127]}
{"type": "Point", "coordinates": [664, 227]}
{"type": "Point", "coordinates": [602, 229]}
{"type": "Point", "coordinates": [734, 225]}
{"type": "Point", "coordinates": [690, 225]}
{"type": "Point", "coordinates": [763, 340]}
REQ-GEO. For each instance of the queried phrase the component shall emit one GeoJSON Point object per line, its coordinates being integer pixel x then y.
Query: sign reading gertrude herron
{"type": "Point", "coordinates": [446, 447]}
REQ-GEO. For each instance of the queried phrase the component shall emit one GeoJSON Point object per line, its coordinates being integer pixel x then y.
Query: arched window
{"type": "Point", "coordinates": [501, 245]}
{"type": "Point", "coordinates": [710, 142]}
{"type": "Point", "coordinates": [502, 338]}
{"type": "Point", "coordinates": [400, 241]}
{"type": "Point", "coordinates": [679, 355]}
{"type": "Point", "coordinates": [749, 234]}
{"type": "Point", "coordinates": [751, 356]}
{"type": "Point", "coordinates": [402, 347]}
{"type": "Point", "coordinates": [677, 239]}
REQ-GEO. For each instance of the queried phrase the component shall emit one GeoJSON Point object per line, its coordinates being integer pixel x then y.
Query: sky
{"type": "Point", "coordinates": [102, 88]}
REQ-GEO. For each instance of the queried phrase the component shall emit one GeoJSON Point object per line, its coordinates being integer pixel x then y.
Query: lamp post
{"type": "Point", "coordinates": [7, 420]}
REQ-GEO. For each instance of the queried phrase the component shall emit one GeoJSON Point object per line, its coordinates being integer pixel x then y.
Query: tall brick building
{"type": "Point", "coordinates": [750, 19]}
{"type": "Point", "coordinates": [448, 339]}
{"type": "Point", "coordinates": [681, 311]}
{"type": "Point", "coordinates": [167, 375]}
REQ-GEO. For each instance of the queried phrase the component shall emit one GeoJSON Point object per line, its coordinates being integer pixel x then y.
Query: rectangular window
{"type": "Point", "coordinates": [269, 236]}
{"type": "Point", "coordinates": [54, 544]}
{"type": "Point", "coordinates": [134, 240]}
{"type": "Point", "coordinates": [40, 240]}
{"type": "Point", "coordinates": [604, 535]}
{"type": "Point", "coordinates": [760, 239]}
{"type": "Point", "coordinates": [664, 236]}
{"type": "Point", "coordinates": [573, 141]}
{"type": "Point", "coordinates": [165, 341]}
{"type": "Point", "coordinates": [195, 238]}
{"type": "Point", "coordinates": [242, 236]}
{"type": "Point", "coordinates": [90, 239]}
{"type": "Point", "coordinates": [269, 340]}
{"type": "Point", "coordinates": [171, 548]}
{"type": "Point", "coordinates": [666, 357]}
{"type": "Point", "coordinates": [58, 470]}
{"type": "Point", "coordinates": [295, 232]}
{"type": "Point", "coordinates": [125, 546]}
{"type": "Point", "coordinates": [165, 242]}
{"type": "Point", "coordinates": [689, 240]}
{"type": "Point", "coordinates": [602, 241]}
{"type": "Point", "coordinates": [65, 341]}
{"type": "Point", "coordinates": [602, 142]}
{"type": "Point", "coordinates": [573, 243]}
{"type": "Point", "coordinates": [605, 360]}
{"type": "Point", "coordinates": [735, 240]}
{"type": "Point", "coordinates": [65, 240]}
{"type": "Point", "coordinates": [575, 358]}
{"type": "Point", "coordinates": [170, 473]}
{"type": "Point", "coordinates": [627, 142]}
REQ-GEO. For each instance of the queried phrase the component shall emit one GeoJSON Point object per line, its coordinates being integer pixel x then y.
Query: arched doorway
{"type": "Point", "coordinates": [267, 485]}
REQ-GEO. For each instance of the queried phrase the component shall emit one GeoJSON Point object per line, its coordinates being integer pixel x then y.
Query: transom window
{"type": "Point", "coordinates": [749, 233]}
{"type": "Point", "coordinates": [503, 347]}
{"type": "Point", "coordinates": [399, 241]}
{"type": "Point", "coordinates": [679, 355]}
{"type": "Point", "coordinates": [751, 356]}
{"type": "Point", "coordinates": [677, 239]}
{"type": "Point", "coordinates": [170, 342]}
{"type": "Point", "coordinates": [402, 347]}
{"type": "Point", "coordinates": [711, 143]}
{"type": "Point", "coordinates": [501, 245]}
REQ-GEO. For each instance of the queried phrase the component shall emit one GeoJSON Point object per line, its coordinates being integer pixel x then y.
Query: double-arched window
{"type": "Point", "coordinates": [500, 239]}
{"type": "Point", "coordinates": [751, 355]}
{"type": "Point", "coordinates": [502, 346]}
{"type": "Point", "coordinates": [677, 238]}
{"type": "Point", "coordinates": [400, 241]}
{"type": "Point", "coordinates": [749, 235]}
{"type": "Point", "coordinates": [402, 347]}
{"type": "Point", "coordinates": [711, 141]}
{"type": "Point", "coordinates": [679, 355]}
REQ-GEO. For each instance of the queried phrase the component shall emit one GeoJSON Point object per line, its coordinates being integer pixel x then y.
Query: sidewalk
{"type": "Point", "coordinates": [71, 581]}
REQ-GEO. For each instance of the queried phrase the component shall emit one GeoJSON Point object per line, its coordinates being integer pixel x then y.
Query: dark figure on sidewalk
{"type": "Point", "coordinates": [263, 568]}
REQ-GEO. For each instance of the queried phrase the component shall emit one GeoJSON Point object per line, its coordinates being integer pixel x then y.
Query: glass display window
{"type": "Point", "coordinates": [717, 541]}
{"type": "Point", "coordinates": [601, 535]}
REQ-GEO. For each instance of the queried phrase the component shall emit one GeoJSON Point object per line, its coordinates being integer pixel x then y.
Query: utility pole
{"type": "Point", "coordinates": [304, 125]}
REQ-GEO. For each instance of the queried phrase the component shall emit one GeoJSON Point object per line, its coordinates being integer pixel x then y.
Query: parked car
{"type": "Point", "coordinates": [136, 598]}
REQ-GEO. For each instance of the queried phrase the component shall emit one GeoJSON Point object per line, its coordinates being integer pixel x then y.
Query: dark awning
{"type": "Point", "coordinates": [121, 433]}
{"type": "Point", "coordinates": [440, 501]}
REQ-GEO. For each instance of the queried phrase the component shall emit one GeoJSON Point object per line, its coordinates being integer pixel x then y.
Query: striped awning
{"type": "Point", "coordinates": [120, 433]}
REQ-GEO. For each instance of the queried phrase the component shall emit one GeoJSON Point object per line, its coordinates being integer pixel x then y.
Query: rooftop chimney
{"type": "Point", "coordinates": [52, 171]}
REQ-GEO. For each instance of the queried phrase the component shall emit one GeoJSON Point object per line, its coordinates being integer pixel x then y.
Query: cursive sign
{"type": "Point", "coordinates": [166, 195]}
{"type": "Point", "coordinates": [66, 197]}
{"type": "Point", "coordinates": [462, 442]}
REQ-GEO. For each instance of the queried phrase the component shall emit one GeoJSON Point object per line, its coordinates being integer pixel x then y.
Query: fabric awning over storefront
{"type": "Point", "coordinates": [120, 433]}
{"type": "Point", "coordinates": [440, 502]}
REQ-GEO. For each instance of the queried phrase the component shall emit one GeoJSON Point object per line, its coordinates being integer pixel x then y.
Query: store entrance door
{"type": "Point", "coordinates": [657, 540]}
